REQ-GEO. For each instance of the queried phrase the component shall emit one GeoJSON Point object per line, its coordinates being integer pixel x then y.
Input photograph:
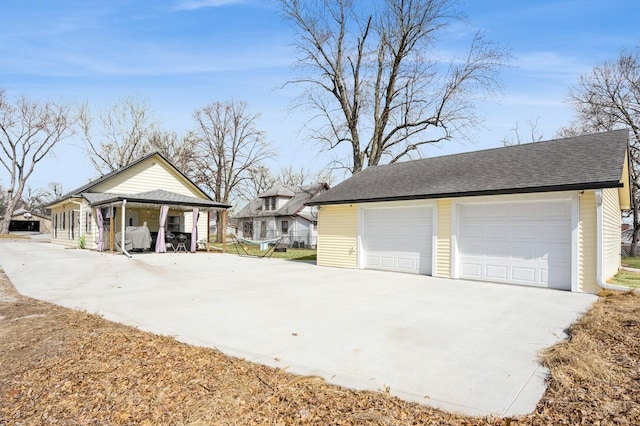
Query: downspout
{"type": "Point", "coordinates": [599, 243]}
{"type": "Point", "coordinates": [124, 222]}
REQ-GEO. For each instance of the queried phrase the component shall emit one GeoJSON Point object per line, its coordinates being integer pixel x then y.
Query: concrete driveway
{"type": "Point", "coordinates": [466, 347]}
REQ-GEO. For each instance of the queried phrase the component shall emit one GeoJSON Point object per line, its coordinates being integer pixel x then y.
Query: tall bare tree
{"type": "Point", "coordinates": [181, 152]}
{"type": "Point", "coordinates": [229, 146]}
{"type": "Point", "coordinates": [608, 98]}
{"type": "Point", "coordinates": [373, 74]}
{"type": "Point", "coordinates": [122, 136]}
{"type": "Point", "coordinates": [29, 130]}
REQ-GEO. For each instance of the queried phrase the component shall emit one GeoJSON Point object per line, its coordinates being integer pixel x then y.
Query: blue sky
{"type": "Point", "coordinates": [180, 55]}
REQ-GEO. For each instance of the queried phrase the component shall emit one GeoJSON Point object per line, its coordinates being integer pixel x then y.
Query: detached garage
{"type": "Point", "coordinates": [544, 214]}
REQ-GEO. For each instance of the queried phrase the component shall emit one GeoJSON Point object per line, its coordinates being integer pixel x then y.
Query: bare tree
{"type": "Point", "coordinates": [29, 130]}
{"type": "Point", "coordinates": [259, 180]}
{"type": "Point", "coordinates": [288, 176]}
{"type": "Point", "coordinates": [181, 152]}
{"type": "Point", "coordinates": [122, 137]}
{"type": "Point", "coordinates": [606, 99]}
{"type": "Point", "coordinates": [37, 199]}
{"type": "Point", "coordinates": [517, 139]}
{"type": "Point", "coordinates": [373, 74]}
{"type": "Point", "coordinates": [229, 147]}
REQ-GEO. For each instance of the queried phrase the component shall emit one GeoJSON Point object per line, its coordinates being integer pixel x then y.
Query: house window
{"type": "Point", "coordinates": [247, 229]}
{"type": "Point", "coordinates": [173, 223]}
{"type": "Point", "coordinates": [285, 226]}
{"type": "Point", "coordinates": [64, 220]}
{"type": "Point", "coordinates": [273, 203]}
{"type": "Point", "coordinates": [55, 225]}
{"type": "Point", "coordinates": [263, 229]}
{"type": "Point", "coordinates": [87, 223]}
{"type": "Point", "coordinates": [266, 203]}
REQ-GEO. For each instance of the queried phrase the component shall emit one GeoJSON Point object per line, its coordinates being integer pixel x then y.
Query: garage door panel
{"type": "Point", "coordinates": [524, 275]}
{"type": "Point", "coordinates": [472, 270]}
{"type": "Point", "coordinates": [398, 239]}
{"type": "Point", "coordinates": [530, 244]}
{"type": "Point", "coordinates": [496, 272]}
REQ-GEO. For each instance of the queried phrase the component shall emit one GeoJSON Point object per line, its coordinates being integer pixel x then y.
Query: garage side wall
{"type": "Point", "coordinates": [443, 245]}
{"type": "Point", "coordinates": [611, 221]}
{"type": "Point", "coordinates": [338, 236]}
{"type": "Point", "coordinates": [587, 243]}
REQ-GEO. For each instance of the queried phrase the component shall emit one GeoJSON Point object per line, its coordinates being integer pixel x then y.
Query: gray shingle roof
{"type": "Point", "coordinates": [301, 195]}
{"type": "Point", "coordinates": [583, 162]}
{"type": "Point", "coordinates": [157, 196]}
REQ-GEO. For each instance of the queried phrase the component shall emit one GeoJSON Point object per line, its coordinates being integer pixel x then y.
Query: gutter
{"type": "Point", "coordinates": [599, 240]}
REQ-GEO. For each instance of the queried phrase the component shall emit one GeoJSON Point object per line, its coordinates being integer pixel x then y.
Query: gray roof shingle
{"type": "Point", "coordinates": [583, 162]}
{"type": "Point", "coordinates": [157, 196]}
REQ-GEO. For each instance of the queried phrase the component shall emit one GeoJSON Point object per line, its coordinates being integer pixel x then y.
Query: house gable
{"type": "Point", "coordinates": [149, 175]}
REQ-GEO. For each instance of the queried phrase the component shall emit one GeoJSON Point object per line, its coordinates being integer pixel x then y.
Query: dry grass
{"type": "Point", "coordinates": [59, 366]}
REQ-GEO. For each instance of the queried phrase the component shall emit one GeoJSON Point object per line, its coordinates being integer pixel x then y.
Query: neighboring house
{"type": "Point", "coordinates": [147, 191]}
{"type": "Point", "coordinates": [23, 220]}
{"type": "Point", "coordinates": [281, 212]}
{"type": "Point", "coordinates": [544, 214]}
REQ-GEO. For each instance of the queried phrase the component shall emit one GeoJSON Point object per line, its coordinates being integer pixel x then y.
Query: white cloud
{"type": "Point", "coordinates": [198, 4]}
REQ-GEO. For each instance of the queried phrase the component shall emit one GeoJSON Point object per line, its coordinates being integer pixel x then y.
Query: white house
{"type": "Point", "coordinates": [281, 212]}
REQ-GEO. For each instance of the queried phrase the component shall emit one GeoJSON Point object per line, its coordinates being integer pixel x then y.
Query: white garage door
{"type": "Point", "coordinates": [522, 243]}
{"type": "Point", "coordinates": [398, 239]}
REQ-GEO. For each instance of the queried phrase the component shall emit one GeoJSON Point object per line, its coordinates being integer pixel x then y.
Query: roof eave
{"type": "Point", "coordinates": [505, 191]}
{"type": "Point", "coordinates": [120, 198]}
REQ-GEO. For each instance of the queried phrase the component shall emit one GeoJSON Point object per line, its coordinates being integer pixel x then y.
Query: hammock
{"type": "Point", "coordinates": [264, 245]}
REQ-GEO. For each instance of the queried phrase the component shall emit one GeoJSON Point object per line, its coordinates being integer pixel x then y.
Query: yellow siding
{"type": "Point", "coordinates": [587, 246]}
{"type": "Point", "coordinates": [61, 214]}
{"type": "Point", "coordinates": [443, 245]}
{"type": "Point", "coordinates": [147, 176]}
{"type": "Point", "coordinates": [611, 219]}
{"type": "Point", "coordinates": [338, 236]}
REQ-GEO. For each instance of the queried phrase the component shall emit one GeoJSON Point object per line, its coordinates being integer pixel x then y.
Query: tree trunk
{"type": "Point", "coordinates": [220, 231]}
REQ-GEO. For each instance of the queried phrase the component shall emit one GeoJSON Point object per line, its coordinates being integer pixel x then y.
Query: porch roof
{"type": "Point", "coordinates": [157, 196]}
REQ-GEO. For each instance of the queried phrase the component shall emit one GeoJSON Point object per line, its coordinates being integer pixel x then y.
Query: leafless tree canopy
{"type": "Point", "coordinates": [609, 98]}
{"type": "Point", "coordinates": [121, 136]}
{"type": "Point", "coordinates": [533, 134]}
{"type": "Point", "coordinates": [373, 74]}
{"type": "Point", "coordinates": [181, 152]}
{"type": "Point", "coordinates": [29, 130]}
{"type": "Point", "coordinates": [125, 132]}
{"type": "Point", "coordinates": [229, 147]}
